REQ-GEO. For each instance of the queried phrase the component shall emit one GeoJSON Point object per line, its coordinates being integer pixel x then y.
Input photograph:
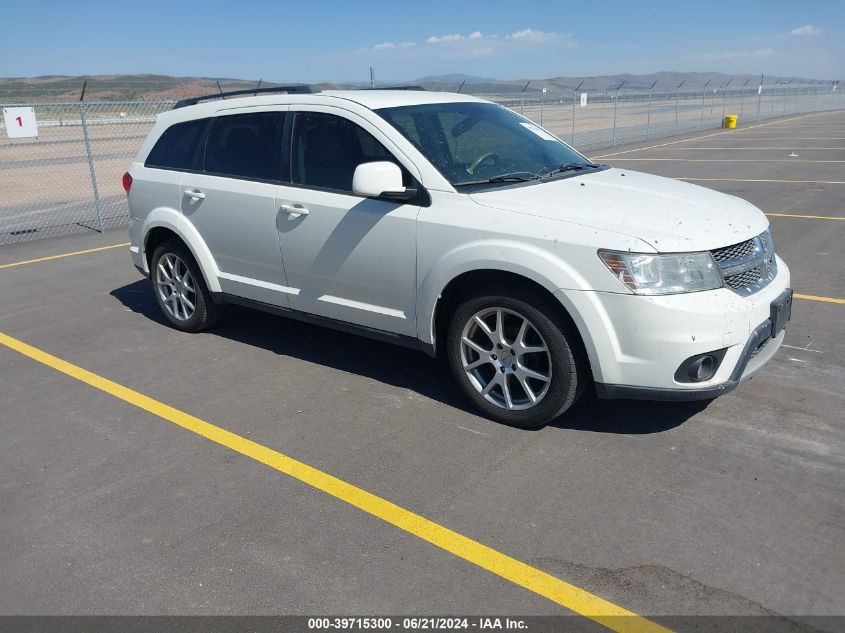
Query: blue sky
{"type": "Point", "coordinates": [338, 40]}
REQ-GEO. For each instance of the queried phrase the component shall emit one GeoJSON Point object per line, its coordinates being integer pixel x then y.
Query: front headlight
{"type": "Point", "coordinates": [663, 274]}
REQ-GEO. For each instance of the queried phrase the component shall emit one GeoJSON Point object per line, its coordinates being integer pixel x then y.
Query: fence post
{"type": "Point", "coordinates": [574, 94]}
{"type": "Point", "coordinates": [542, 100]}
{"type": "Point", "coordinates": [676, 110]}
{"type": "Point", "coordinates": [759, 97]}
{"type": "Point", "coordinates": [648, 117]}
{"type": "Point", "coordinates": [615, 108]}
{"type": "Point", "coordinates": [90, 157]}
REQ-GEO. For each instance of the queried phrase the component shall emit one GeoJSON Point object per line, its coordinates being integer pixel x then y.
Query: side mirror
{"type": "Point", "coordinates": [381, 179]}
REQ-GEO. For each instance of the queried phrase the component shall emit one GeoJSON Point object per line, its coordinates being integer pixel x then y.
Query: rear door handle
{"type": "Point", "coordinates": [195, 194]}
{"type": "Point", "coordinates": [294, 209]}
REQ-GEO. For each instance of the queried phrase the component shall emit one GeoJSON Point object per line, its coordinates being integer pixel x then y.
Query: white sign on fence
{"type": "Point", "coordinates": [583, 99]}
{"type": "Point", "coordinates": [760, 89]}
{"type": "Point", "coordinates": [20, 122]}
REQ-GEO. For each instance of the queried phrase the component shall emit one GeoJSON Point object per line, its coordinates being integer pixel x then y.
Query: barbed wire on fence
{"type": "Point", "coordinates": [68, 179]}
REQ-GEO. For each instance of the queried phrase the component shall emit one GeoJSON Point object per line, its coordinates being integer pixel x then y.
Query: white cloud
{"type": "Point", "coordinates": [806, 30]}
{"type": "Point", "coordinates": [455, 37]}
{"type": "Point", "coordinates": [386, 46]}
{"type": "Point", "coordinates": [538, 37]}
{"type": "Point", "coordinates": [474, 44]}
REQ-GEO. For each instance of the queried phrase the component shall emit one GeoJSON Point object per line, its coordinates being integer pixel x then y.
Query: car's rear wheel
{"type": "Point", "coordinates": [180, 290]}
{"type": "Point", "coordinates": [514, 357]}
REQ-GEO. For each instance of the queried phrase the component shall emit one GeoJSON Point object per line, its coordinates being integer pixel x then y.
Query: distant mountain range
{"type": "Point", "coordinates": [152, 87]}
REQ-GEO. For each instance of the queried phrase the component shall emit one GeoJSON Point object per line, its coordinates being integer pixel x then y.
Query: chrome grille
{"type": "Point", "coordinates": [737, 251]}
{"type": "Point", "coordinates": [747, 266]}
{"type": "Point", "coordinates": [744, 279]}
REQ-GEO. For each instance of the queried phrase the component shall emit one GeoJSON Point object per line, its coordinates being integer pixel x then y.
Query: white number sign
{"type": "Point", "coordinates": [583, 99]}
{"type": "Point", "coordinates": [20, 122]}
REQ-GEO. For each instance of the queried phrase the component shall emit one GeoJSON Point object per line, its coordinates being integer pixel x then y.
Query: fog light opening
{"type": "Point", "coordinates": [701, 367]}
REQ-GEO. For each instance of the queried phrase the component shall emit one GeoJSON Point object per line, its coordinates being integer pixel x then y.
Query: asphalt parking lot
{"type": "Point", "coordinates": [111, 507]}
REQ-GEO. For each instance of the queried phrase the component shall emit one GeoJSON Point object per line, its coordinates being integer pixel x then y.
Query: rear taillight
{"type": "Point", "coordinates": [127, 182]}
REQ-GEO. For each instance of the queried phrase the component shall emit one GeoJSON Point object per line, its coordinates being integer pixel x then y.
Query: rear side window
{"type": "Point", "coordinates": [180, 147]}
{"type": "Point", "coordinates": [246, 146]}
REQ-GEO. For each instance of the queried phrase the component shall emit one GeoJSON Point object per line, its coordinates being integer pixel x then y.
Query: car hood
{"type": "Point", "coordinates": [670, 215]}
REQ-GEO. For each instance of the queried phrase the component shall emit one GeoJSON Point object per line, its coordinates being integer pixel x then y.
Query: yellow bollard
{"type": "Point", "coordinates": [730, 121]}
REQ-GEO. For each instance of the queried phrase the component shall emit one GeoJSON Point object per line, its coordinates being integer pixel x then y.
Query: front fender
{"type": "Point", "coordinates": [520, 258]}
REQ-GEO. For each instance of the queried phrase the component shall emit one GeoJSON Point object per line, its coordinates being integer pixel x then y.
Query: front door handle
{"type": "Point", "coordinates": [294, 210]}
{"type": "Point", "coordinates": [195, 194]}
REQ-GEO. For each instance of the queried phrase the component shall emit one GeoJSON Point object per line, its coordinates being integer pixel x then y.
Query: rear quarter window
{"type": "Point", "coordinates": [180, 147]}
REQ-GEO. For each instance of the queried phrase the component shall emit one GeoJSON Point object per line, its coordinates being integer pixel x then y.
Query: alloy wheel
{"type": "Point", "coordinates": [176, 287]}
{"type": "Point", "coordinates": [506, 358]}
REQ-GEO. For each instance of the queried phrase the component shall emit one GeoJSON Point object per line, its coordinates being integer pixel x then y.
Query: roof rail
{"type": "Point", "coordinates": [296, 89]}
{"type": "Point", "coordinates": [394, 88]}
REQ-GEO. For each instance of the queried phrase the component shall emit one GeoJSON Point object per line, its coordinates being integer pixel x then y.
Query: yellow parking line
{"type": "Point", "coordinates": [697, 138]}
{"type": "Point", "coordinates": [791, 147]}
{"type": "Point", "coordinates": [793, 138]}
{"type": "Point", "coordinates": [558, 591]}
{"type": "Point", "coordinates": [732, 160]}
{"type": "Point", "coordinates": [813, 182]}
{"type": "Point", "coordinates": [44, 259]}
{"type": "Point", "coordinates": [806, 217]}
{"type": "Point", "coordinates": [817, 298]}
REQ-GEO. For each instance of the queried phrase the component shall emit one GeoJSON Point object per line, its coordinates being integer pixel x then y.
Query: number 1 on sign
{"type": "Point", "coordinates": [20, 122]}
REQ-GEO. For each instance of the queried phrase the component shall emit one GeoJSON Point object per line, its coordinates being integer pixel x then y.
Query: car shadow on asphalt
{"type": "Point", "coordinates": [405, 368]}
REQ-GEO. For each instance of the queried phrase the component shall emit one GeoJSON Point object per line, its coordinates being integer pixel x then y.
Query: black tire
{"type": "Point", "coordinates": [206, 312]}
{"type": "Point", "coordinates": [565, 359]}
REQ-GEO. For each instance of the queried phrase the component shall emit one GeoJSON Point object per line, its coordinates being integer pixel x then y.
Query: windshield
{"type": "Point", "coordinates": [481, 143]}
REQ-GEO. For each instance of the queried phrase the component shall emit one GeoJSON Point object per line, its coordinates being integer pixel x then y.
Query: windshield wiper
{"type": "Point", "coordinates": [517, 176]}
{"type": "Point", "coordinates": [560, 169]}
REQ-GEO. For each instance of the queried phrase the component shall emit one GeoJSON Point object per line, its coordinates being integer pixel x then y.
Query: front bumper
{"type": "Point", "coordinates": [636, 343]}
{"type": "Point", "coordinates": [759, 349]}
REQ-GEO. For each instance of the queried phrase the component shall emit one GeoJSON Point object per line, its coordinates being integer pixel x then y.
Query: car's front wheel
{"type": "Point", "coordinates": [180, 290]}
{"type": "Point", "coordinates": [514, 357]}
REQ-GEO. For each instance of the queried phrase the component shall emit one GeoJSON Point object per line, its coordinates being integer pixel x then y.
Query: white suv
{"type": "Point", "coordinates": [450, 224]}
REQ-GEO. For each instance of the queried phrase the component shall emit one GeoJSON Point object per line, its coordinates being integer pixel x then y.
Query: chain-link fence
{"type": "Point", "coordinates": [68, 179]}
{"type": "Point", "coordinates": [597, 119]}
